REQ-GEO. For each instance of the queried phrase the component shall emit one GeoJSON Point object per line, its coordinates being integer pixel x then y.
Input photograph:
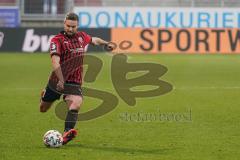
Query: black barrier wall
{"type": "Point", "coordinates": [37, 39]}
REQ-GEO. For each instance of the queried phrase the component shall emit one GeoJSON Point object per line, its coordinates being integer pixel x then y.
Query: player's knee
{"type": "Point", "coordinates": [43, 110]}
{"type": "Point", "coordinates": [44, 107]}
{"type": "Point", "coordinates": [76, 103]}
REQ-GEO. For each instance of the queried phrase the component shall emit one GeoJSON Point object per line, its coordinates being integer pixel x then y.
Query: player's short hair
{"type": "Point", "coordinates": [72, 16]}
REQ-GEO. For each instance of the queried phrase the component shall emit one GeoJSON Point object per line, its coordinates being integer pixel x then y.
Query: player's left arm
{"type": "Point", "coordinates": [99, 41]}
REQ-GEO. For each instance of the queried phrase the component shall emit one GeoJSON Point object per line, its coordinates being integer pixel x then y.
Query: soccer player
{"type": "Point", "coordinates": [67, 50]}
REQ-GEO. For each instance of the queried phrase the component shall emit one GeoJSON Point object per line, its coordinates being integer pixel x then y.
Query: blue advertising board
{"type": "Point", "coordinates": [9, 17]}
{"type": "Point", "coordinates": [157, 17]}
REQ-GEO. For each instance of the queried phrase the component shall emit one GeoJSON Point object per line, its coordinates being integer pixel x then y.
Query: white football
{"type": "Point", "coordinates": [53, 139]}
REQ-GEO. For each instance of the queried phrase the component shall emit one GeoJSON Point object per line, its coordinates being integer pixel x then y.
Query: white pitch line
{"type": "Point", "coordinates": [175, 88]}
{"type": "Point", "coordinates": [112, 54]}
{"type": "Point", "coordinates": [206, 87]}
{"type": "Point", "coordinates": [23, 88]}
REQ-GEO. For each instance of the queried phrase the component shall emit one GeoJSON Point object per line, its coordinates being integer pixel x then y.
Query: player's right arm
{"type": "Point", "coordinates": [58, 71]}
{"type": "Point", "coordinates": [55, 53]}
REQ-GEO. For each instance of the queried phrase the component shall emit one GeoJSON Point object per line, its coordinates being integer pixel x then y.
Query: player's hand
{"type": "Point", "coordinates": [110, 46]}
{"type": "Point", "coordinates": [60, 85]}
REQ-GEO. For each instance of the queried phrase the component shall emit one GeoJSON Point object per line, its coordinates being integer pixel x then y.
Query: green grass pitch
{"type": "Point", "coordinates": [206, 89]}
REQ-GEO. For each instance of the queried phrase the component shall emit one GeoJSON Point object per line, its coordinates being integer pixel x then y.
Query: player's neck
{"type": "Point", "coordinates": [69, 36]}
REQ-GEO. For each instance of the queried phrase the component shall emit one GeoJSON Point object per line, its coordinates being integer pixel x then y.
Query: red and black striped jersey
{"type": "Point", "coordinates": [71, 52]}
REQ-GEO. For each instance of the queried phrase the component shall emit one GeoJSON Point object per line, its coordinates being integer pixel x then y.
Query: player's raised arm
{"type": "Point", "coordinates": [99, 41]}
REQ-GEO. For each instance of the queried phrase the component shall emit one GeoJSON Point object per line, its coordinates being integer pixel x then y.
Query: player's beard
{"type": "Point", "coordinates": [70, 34]}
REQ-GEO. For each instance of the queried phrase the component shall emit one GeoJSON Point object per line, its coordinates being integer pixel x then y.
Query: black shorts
{"type": "Point", "coordinates": [50, 94]}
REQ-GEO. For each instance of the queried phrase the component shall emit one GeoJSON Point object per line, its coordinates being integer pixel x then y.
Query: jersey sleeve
{"type": "Point", "coordinates": [87, 38]}
{"type": "Point", "coordinates": [55, 47]}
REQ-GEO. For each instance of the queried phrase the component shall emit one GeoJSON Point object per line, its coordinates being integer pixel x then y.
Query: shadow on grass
{"type": "Point", "coordinates": [124, 150]}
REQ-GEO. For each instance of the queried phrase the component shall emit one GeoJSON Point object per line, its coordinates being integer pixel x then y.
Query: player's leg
{"type": "Point", "coordinates": [74, 102]}
{"type": "Point", "coordinates": [48, 96]}
{"type": "Point", "coordinates": [44, 106]}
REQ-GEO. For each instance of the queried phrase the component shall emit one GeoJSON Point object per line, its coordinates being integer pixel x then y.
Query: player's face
{"type": "Point", "coordinates": [70, 27]}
